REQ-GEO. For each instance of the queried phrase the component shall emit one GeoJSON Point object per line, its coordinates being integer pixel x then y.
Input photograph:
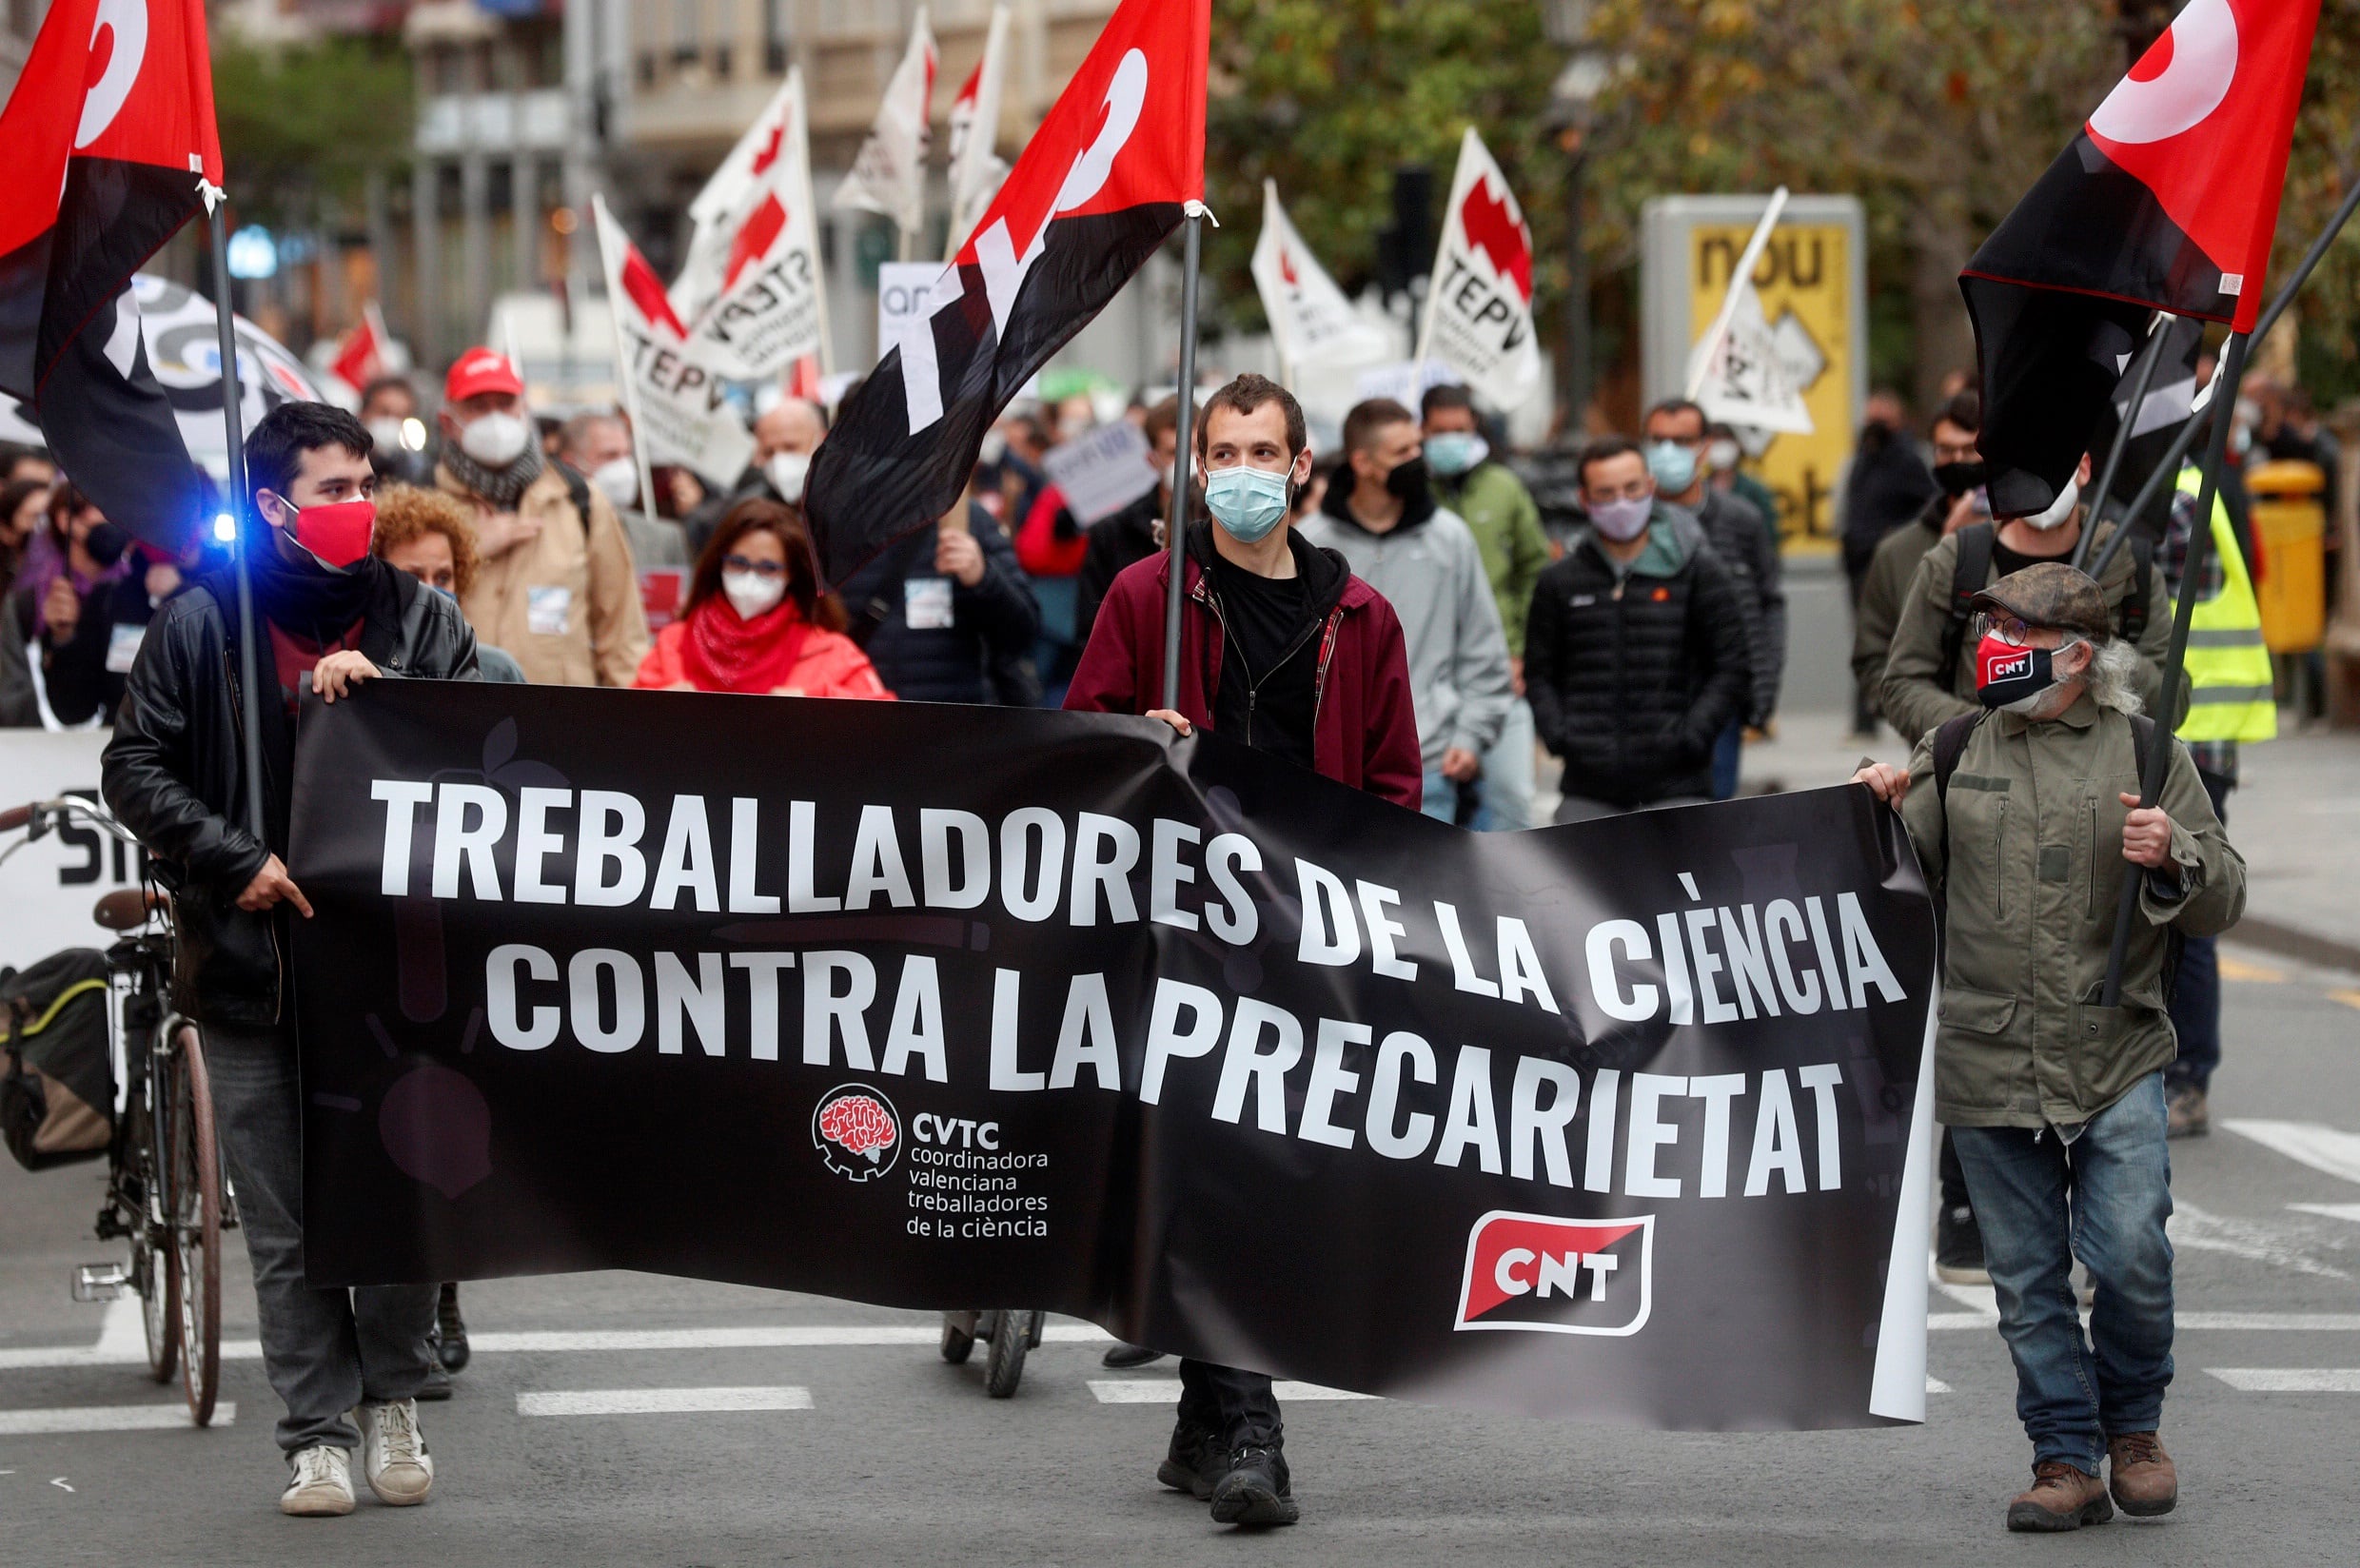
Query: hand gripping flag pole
{"type": "Point", "coordinates": [2158, 337]}
{"type": "Point", "coordinates": [241, 512]}
{"type": "Point", "coordinates": [1175, 526]}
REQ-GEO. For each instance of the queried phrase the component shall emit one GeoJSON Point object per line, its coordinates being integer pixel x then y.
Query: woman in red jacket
{"type": "Point", "coordinates": [756, 621]}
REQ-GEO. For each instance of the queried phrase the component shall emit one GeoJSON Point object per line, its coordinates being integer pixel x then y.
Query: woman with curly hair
{"type": "Point", "coordinates": [757, 620]}
{"type": "Point", "coordinates": [428, 535]}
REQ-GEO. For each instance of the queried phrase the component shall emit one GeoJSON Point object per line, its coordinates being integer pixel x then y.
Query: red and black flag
{"type": "Point", "coordinates": [2166, 201]}
{"type": "Point", "coordinates": [1103, 183]}
{"type": "Point", "coordinates": [107, 147]}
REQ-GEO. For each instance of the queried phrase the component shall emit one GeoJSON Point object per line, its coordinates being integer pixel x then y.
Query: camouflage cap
{"type": "Point", "coordinates": [2051, 593]}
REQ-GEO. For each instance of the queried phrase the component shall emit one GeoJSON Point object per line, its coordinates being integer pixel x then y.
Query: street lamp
{"type": "Point", "coordinates": [1573, 100]}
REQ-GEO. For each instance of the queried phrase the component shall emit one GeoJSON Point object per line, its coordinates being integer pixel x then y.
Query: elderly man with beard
{"type": "Point", "coordinates": [2025, 815]}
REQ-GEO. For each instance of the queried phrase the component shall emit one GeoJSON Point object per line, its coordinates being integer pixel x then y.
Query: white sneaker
{"type": "Point", "coordinates": [319, 1484]}
{"type": "Point", "coordinates": [393, 1453]}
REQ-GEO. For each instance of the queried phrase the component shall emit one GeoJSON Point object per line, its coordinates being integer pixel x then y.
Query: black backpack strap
{"type": "Point", "coordinates": [576, 491]}
{"type": "Point", "coordinates": [1950, 744]}
{"type": "Point", "coordinates": [1970, 575]}
{"type": "Point", "coordinates": [2130, 622]}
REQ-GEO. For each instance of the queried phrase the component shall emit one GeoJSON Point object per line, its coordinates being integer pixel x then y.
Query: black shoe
{"type": "Point", "coordinates": [1958, 1248]}
{"type": "Point", "coordinates": [451, 1331]}
{"type": "Point", "coordinates": [1195, 1461]}
{"type": "Point", "coordinates": [437, 1384]}
{"type": "Point", "coordinates": [1256, 1490]}
{"type": "Point", "coordinates": [1125, 1356]}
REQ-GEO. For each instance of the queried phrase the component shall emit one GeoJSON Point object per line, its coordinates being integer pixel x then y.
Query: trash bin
{"type": "Point", "coordinates": [2290, 525]}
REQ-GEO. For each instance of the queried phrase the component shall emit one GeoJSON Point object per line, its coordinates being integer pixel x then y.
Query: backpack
{"type": "Point", "coordinates": [57, 1092]}
{"type": "Point", "coordinates": [1971, 575]}
{"type": "Point", "coordinates": [1950, 744]}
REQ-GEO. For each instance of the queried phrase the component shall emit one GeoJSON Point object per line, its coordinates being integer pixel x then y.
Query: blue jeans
{"type": "Point", "coordinates": [1727, 751]}
{"type": "Point", "coordinates": [2196, 994]}
{"type": "Point", "coordinates": [2103, 1198]}
{"type": "Point", "coordinates": [1441, 800]}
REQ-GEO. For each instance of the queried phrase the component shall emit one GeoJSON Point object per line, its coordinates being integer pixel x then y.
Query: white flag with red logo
{"type": "Point", "coordinates": [677, 399]}
{"type": "Point", "coordinates": [976, 169]}
{"type": "Point", "coordinates": [361, 359]}
{"type": "Point", "coordinates": [1479, 303]}
{"type": "Point", "coordinates": [1310, 320]}
{"type": "Point", "coordinates": [756, 269]}
{"type": "Point", "coordinates": [1106, 178]}
{"type": "Point", "coordinates": [889, 175]}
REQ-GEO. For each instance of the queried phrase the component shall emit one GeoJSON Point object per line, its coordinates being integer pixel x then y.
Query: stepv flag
{"type": "Point", "coordinates": [1478, 310]}
{"type": "Point", "coordinates": [679, 404]}
{"type": "Point", "coordinates": [1103, 183]}
{"type": "Point", "coordinates": [2167, 201]}
{"type": "Point", "coordinates": [107, 147]}
{"type": "Point", "coordinates": [976, 169]}
{"type": "Point", "coordinates": [767, 312]}
{"type": "Point", "coordinates": [888, 172]}
{"type": "Point", "coordinates": [714, 211]}
{"type": "Point", "coordinates": [1310, 320]}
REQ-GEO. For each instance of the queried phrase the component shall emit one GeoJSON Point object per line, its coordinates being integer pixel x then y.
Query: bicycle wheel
{"type": "Point", "coordinates": [155, 1270]}
{"type": "Point", "coordinates": [195, 1154]}
{"type": "Point", "coordinates": [1011, 1338]}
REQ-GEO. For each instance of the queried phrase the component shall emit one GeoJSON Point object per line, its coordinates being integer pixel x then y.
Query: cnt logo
{"type": "Point", "coordinates": [2014, 666]}
{"type": "Point", "coordinates": [856, 1131]}
{"type": "Point", "coordinates": [1556, 1276]}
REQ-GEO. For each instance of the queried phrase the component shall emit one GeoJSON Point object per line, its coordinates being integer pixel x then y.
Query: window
{"type": "Point", "coordinates": [775, 37]}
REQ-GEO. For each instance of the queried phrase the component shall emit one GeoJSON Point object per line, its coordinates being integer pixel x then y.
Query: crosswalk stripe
{"type": "Point", "coordinates": [658, 1401]}
{"type": "Point", "coordinates": [2334, 1211]}
{"type": "Point", "coordinates": [2323, 1149]}
{"type": "Point", "coordinates": [2237, 969]}
{"type": "Point", "coordinates": [1167, 1391]}
{"type": "Point", "coordinates": [2290, 1380]}
{"type": "Point", "coordinates": [107, 1418]}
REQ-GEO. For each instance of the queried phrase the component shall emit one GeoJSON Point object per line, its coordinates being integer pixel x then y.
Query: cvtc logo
{"type": "Point", "coordinates": [856, 1131]}
{"type": "Point", "coordinates": [1553, 1276]}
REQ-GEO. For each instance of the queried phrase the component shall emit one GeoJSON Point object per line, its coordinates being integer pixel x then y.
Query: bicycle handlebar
{"type": "Point", "coordinates": [15, 817]}
{"type": "Point", "coordinates": [31, 814]}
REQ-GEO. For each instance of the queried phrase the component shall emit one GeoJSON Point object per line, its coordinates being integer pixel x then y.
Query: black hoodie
{"type": "Point", "coordinates": [1268, 696]}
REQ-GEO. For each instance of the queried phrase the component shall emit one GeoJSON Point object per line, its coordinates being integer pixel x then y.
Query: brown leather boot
{"type": "Point", "coordinates": [2062, 1497]}
{"type": "Point", "coordinates": [2146, 1482]}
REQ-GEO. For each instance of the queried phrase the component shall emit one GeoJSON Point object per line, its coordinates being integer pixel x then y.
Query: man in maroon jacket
{"type": "Point", "coordinates": [1284, 649]}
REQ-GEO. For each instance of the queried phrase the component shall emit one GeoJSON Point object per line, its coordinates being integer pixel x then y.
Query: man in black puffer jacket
{"type": "Point", "coordinates": [1635, 654]}
{"type": "Point", "coordinates": [331, 618]}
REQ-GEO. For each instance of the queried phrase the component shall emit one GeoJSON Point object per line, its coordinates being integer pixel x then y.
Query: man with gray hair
{"type": "Point", "coordinates": [2025, 816]}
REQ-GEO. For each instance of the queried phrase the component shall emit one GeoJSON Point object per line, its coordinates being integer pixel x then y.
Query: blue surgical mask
{"type": "Point", "coordinates": [1247, 502]}
{"type": "Point", "coordinates": [1455, 452]}
{"type": "Point", "coordinates": [1673, 465]}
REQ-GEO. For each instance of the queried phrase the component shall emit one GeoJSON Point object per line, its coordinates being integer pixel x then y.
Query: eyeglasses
{"type": "Point", "coordinates": [760, 568]}
{"type": "Point", "coordinates": [2007, 628]}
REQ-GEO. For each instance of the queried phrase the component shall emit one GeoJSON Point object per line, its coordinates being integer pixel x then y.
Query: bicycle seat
{"type": "Point", "coordinates": [127, 909]}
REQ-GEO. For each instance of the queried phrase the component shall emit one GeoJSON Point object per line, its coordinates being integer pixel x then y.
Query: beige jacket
{"type": "Point", "coordinates": [566, 602]}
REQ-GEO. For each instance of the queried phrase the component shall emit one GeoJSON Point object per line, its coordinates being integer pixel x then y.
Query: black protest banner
{"type": "Point", "coordinates": [939, 1007]}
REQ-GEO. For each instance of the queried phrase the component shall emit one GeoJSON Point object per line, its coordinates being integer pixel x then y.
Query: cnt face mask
{"type": "Point", "coordinates": [2008, 676]}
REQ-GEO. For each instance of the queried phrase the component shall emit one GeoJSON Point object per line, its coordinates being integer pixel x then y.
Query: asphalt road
{"type": "Point", "coordinates": [899, 1459]}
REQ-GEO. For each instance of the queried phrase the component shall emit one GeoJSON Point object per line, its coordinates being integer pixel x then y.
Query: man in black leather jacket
{"type": "Point", "coordinates": [330, 616]}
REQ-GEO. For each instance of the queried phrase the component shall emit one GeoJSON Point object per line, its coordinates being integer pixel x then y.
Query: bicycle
{"type": "Point", "coordinates": [166, 1193]}
{"type": "Point", "coordinates": [1010, 1334]}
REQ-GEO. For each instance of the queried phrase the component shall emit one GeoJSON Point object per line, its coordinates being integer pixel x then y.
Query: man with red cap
{"type": "Point", "coordinates": [556, 588]}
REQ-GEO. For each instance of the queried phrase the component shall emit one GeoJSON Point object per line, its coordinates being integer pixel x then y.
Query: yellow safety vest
{"type": "Point", "coordinates": [2232, 695]}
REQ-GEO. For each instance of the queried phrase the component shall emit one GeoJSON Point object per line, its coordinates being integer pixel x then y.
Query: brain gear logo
{"type": "Point", "coordinates": [856, 1131]}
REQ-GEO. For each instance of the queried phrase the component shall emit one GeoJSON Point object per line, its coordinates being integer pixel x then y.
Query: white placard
{"type": "Point", "coordinates": [1102, 472]}
{"type": "Point", "coordinates": [49, 888]}
{"type": "Point", "coordinates": [901, 291]}
{"type": "Point", "coordinates": [1405, 381]}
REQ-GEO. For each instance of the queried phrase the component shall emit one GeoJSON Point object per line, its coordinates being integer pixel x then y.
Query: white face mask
{"type": "Point", "coordinates": [385, 435]}
{"type": "Point", "coordinates": [618, 481]}
{"type": "Point", "coordinates": [495, 440]}
{"type": "Point", "coordinates": [2058, 510]}
{"type": "Point", "coordinates": [1722, 457]}
{"type": "Point", "coordinates": [993, 448]}
{"type": "Point", "coordinates": [787, 472]}
{"type": "Point", "coordinates": [751, 593]}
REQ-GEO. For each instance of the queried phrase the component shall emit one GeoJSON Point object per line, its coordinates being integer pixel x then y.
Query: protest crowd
{"type": "Point", "coordinates": [1394, 592]}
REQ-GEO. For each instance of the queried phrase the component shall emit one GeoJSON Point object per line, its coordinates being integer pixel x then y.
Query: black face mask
{"type": "Point", "coordinates": [106, 543]}
{"type": "Point", "coordinates": [1956, 479]}
{"type": "Point", "coordinates": [1408, 482]}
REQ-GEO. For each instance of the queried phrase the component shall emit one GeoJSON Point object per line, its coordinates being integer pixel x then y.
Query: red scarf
{"type": "Point", "coordinates": [720, 653]}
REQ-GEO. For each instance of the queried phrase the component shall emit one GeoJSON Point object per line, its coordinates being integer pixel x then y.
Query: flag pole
{"type": "Point", "coordinates": [249, 696]}
{"type": "Point", "coordinates": [2152, 356]}
{"type": "Point", "coordinates": [2159, 755]}
{"type": "Point", "coordinates": [2168, 470]}
{"type": "Point", "coordinates": [1175, 526]}
{"type": "Point", "coordinates": [1738, 276]}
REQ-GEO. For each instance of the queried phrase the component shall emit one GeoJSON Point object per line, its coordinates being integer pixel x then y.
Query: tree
{"type": "Point", "coordinates": [306, 124]}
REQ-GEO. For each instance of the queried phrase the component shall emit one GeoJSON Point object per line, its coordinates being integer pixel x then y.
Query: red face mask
{"type": "Point", "coordinates": [339, 533]}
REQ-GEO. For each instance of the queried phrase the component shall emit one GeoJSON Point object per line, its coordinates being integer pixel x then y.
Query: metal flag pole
{"type": "Point", "coordinates": [2167, 472]}
{"type": "Point", "coordinates": [241, 513]}
{"type": "Point", "coordinates": [1175, 526]}
{"type": "Point", "coordinates": [2159, 755]}
{"type": "Point", "coordinates": [2158, 335]}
